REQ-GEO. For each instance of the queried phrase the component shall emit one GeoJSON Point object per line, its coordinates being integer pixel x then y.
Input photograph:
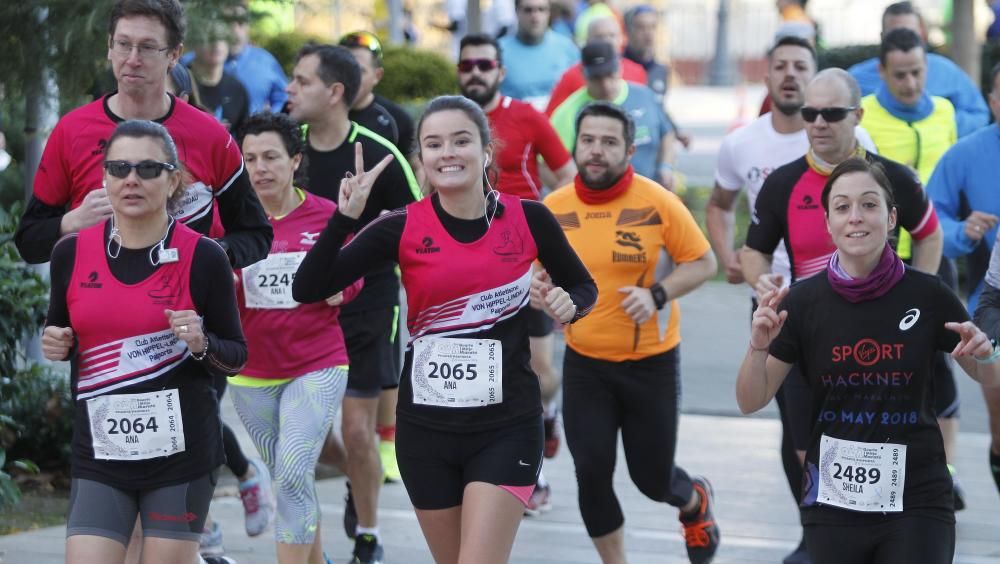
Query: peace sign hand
{"type": "Point", "coordinates": [355, 187]}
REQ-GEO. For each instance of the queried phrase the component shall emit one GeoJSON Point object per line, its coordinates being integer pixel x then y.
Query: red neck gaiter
{"type": "Point", "coordinates": [595, 197]}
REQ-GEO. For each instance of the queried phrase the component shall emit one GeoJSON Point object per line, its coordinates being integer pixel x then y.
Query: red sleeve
{"type": "Point", "coordinates": [549, 145]}
{"type": "Point", "coordinates": [227, 161]}
{"type": "Point", "coordinates": [53, 182]}
{"type": "Point", "coordinates": [633, 72]}
{"type": "Point", "coordinates": [562, 90]}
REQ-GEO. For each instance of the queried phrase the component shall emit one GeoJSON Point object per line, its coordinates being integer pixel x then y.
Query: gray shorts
{"type": "Point", "coordinates": [172, 512]}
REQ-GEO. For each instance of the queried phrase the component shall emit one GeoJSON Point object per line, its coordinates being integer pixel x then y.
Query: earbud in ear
{"type": "Point", "coordinates": [487, 161]}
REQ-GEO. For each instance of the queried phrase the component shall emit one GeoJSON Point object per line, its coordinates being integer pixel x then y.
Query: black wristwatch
{"type": "Point", "coordinates": [659, 295]}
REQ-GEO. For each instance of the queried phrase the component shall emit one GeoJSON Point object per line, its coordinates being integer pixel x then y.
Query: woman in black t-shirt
{"type": "Point", "coordinates": [876, 487]}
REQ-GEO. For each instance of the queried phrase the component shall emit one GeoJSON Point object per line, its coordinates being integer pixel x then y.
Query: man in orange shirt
{"type": "Point", "coordinates": [620, 370]}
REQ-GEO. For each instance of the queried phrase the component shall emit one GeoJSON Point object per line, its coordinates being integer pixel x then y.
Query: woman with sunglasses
{"type": "Point", "coordinates": [865, 332]}
{"type": "Point", "coordinates": [144, 309]}
{"type": "Point", "coordinates": [469, 434]}
{"type": "Point", "coordinates": [291, 388]}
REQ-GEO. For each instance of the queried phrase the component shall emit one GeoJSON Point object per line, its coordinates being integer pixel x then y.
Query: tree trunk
{"type": "Point", "coordinates": [965, 46]}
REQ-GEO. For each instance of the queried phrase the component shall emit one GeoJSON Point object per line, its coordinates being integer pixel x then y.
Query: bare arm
{"type": "Point", "coordinates": [976, 354]}
{"type": "Point", "coordinates": [757, 271]}
{"type": "Point", "coordinates": [665, 161]}
{"type": "Point", "coordinates": [719, 219]}
{"type": "Point", "coordinates": [559, 177]}
{"type": "Point", "coordinates": [689, 275]}
{"type": "Point", "coordinates": [927, 252]}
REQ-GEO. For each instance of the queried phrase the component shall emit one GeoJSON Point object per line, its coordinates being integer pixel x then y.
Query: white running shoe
{"type": "Point", "coordinates": [258, 504]}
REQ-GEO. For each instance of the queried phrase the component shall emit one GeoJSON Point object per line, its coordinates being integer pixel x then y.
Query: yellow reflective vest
{"type": "Point", "coordinates": [919, 144]}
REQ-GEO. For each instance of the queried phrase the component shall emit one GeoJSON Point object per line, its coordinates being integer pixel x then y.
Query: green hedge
{"type": "Point", "coordinates": [845, 57]}
{"type": "Point", "coordinates": [411, 75]}
{"type": "Point", "coordinates": [415, 75]}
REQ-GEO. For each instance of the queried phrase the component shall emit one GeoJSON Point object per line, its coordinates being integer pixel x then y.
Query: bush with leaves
{"type": "Point", "coordinates": [415, 75]}
{"type": "Point", "coordinates": [35, 402]}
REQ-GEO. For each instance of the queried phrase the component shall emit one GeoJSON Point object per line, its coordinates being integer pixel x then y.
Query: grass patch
{"type": "Point", "coordinates": [37, 509]}
{"type": "Point", "coordinates": [695, 198]}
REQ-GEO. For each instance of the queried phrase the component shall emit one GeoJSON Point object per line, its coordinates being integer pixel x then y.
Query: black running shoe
{"type": "Point", "coordinates": [350, 514]}
{"type": "Point", "coordinates": [367, 550]}
{"type": "Point", "coordinates": [701, 532]}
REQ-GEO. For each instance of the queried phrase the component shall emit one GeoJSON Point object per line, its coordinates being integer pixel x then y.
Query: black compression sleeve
{"type": "Point", "coordinates": [248, 233]}
{"type": "Point", "coordinates": [60, 271]}
{"type": "Point", "coordinates": [327, 268]}
{"type": "Point", "coordinates": [988, 311]}
{"type": "Point", "coordinates": [559, 258]}
{"type": "Point", "coordinates": [39, 231]}
{"type": "Point", "coordinates": [214, 294]}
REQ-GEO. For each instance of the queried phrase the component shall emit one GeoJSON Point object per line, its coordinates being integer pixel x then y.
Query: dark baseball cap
{"type": "Point", "coordinates": [599, 59]}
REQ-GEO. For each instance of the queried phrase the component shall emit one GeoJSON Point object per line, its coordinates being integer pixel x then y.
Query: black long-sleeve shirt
{"type": "Point", "coordinates": [327, 268]}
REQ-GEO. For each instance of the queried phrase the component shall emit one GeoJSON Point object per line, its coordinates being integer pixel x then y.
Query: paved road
{"type": "Point", "coordinates": [757, 516]}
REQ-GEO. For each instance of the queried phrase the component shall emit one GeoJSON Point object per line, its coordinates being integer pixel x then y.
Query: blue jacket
{"type": "Point", "coordinates": [945, 79]}
{"type": "Point", "coordinates": [965, 180]}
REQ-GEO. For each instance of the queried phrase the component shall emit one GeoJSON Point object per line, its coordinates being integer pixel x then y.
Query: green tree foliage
{"type": "Point", "coordinates": [69, 37]}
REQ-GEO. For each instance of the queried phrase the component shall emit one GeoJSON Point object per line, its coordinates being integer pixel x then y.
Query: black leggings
{"type": "Point", "coordinates": [904, 539]}
{"type": "Point", "coordinates": [640, 397]}
{"type": "Point", "coordinates": [235, 459]}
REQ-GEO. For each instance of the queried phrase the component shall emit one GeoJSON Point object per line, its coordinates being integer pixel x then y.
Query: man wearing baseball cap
{"type": "Point", "coordinates": [654, 135]}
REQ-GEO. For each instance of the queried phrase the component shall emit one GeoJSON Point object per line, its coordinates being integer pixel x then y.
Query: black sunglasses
{"type": "Point", "coordinates": [484, 65]}
{"type": "Point", "coordinates": [830, 115]}
{"type": "Point", "coordinates": [147, 170]}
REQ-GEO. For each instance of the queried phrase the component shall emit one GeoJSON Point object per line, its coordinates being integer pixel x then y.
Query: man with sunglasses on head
{"type": "Point", "coordinates": [378, 113]}
{"type": "Point", "coordinates": [144, 41]}
{"type": "Point", "coordinates": [395, 124]}
{"type": "Point", "coordinates": [524, 135]}
{"type": "Point", "coordinates": [788, 212]}
{"type": "Point", "coordinates": [325, 83]}
{"type": "Point", "coordinates": [536, 55]}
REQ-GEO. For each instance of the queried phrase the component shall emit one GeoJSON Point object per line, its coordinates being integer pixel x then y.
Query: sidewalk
{"type": "Point", "coordinates": [755, 513]}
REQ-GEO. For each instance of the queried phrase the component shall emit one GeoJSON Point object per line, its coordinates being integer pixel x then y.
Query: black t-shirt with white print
{"type": "Point", "coordinates": [869, 366]}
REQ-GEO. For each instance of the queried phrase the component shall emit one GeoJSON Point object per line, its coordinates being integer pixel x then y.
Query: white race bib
{"type": "Point", "coordinates": [457, 372]}
{"type": "Point", "coordinates": [136, 426]}
{"type": "Point", "coordinates": [268, 284]}
{"type": "Point", "coordinates": [861, 476]}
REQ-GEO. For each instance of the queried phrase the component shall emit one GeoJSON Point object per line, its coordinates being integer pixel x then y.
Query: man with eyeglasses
{"type": "Point", "coordinates": [943, 77]}
{"type": "Point", "coordinates": [787, 206]}
{"type": "Point", "coordinates": [325, 82]}
{"type": "Point", "coordinates": [524, 135]}
{"type": "Point", "coordinates": [654, 134]}
{"type": "Point", "coordinates": [370, 109]}
{"type": "Point", "coordinates": [144, 42]}
{"type": "Point", "coordinates": [536, 55]}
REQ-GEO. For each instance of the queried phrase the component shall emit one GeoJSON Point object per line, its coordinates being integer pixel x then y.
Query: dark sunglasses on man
{"type": "Point", "coordinates": [147, 170]}
{"type": "Point", "coordinates": [830, 115]}
{"type": "Point", "coordinates": [484, 65]}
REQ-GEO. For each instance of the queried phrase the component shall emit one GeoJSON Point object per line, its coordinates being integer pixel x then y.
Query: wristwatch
{"type": "Point", "coordinates": [659, 295]}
